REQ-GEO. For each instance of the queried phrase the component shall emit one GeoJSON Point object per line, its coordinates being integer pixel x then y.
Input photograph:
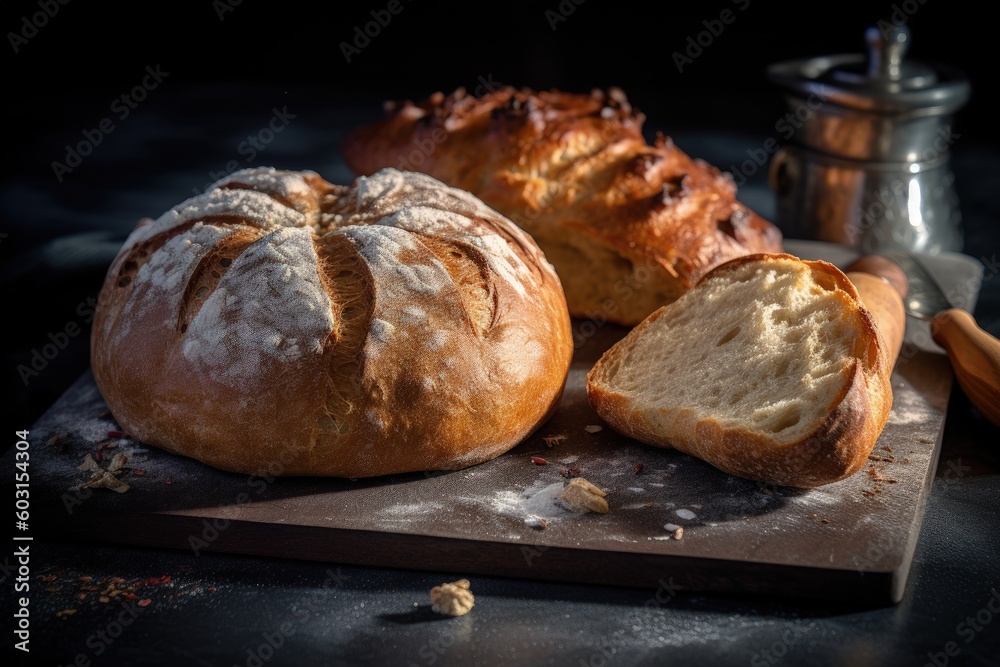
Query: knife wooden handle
{"type": "Point", "coordinates": [975, 358]}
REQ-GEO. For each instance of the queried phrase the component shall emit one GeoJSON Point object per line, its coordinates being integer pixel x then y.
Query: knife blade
{"type": "Point", "coordinates": [974, 353]}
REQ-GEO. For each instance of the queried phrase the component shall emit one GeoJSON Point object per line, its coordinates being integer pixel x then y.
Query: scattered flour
{"type": "Point", "coordinates": [909, 407]}
{"type": "Point", "coordinates": [538, 501]}
{"type": "Point", "coordinates": [815, 497]}
{"type": "Point", "coordinates": [507, 503]}
{"type": "Point", "coordinates": [406, 511]}
{"type": "Point", "coordinates": [544, 502]}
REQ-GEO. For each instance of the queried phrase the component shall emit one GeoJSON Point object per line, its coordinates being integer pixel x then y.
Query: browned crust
{"type": "Point", "coordinates": [837, 448]}
{"type": "Point", "coordinates": [281, 421]}
{"type": "Point", "coordinates": [561, 163]}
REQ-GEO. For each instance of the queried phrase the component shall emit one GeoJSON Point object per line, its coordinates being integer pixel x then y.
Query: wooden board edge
{"type": "Point", "coordinates": [662, 575]}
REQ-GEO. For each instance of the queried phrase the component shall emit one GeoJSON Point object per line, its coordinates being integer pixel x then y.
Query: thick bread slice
{"type": "Point", "coordinates": [770, 368]}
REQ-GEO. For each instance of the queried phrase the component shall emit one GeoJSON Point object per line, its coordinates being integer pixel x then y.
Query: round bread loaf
{"type": "Point", "coordinates": [281, 323]}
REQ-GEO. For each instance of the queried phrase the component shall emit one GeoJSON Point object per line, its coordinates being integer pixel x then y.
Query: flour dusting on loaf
{"type": "Point", "coordinates": [270, 303]}
{"type": "Point", "coordinates": [386, 249]}
{"type": "Point", "coordinates": [159, 278]}
{"type": "Point", "coordinates": [248, 205]}
{"type": "Point", "coordinates": [391, 325]}
{"type": "Point", "coordinates": [452, 214]}
{"type": "Point", "coordinates": [286, 184]}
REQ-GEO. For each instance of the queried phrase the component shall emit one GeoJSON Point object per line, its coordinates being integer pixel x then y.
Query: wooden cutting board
{"type": "Point", "coordinates": [851, 541]}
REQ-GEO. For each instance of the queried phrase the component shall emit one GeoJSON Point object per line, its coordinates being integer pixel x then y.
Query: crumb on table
{"type": "Point", "coordinates": [582, 496]}
{"type": "Point", "coordinates": [454, 599]}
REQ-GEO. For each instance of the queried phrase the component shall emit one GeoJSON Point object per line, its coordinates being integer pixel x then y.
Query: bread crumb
{"type": "Point", "coordinates": [553, 439]}
{"type": "Point", "coordinates": [876, 475]}
{"type": "Point", "coordinates": [101, 477]}
{"type": "Point", "coordinates": [677, 531]}
{"type": "Point", "coordinates": [582, 496]}
{"type": "Point", "coordinates": [536, 522]}
{"type": "Point", "coordinates": [454, 599]}
{"type": "Point", "coordinates": [593, 428]}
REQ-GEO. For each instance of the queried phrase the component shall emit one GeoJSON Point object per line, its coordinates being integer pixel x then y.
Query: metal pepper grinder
{"type": "Point", "coordinates": [867, 163]}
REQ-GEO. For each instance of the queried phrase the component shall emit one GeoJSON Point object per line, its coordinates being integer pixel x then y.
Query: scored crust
{"type": "Point", "coordinates": [283, 324]}
{"type": "Point", "coordinates": [835, 448]}
{"type": "Point", "coordinates": [629, 226]}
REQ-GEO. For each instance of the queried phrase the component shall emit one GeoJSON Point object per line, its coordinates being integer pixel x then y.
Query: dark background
{"type": "Point", "coordinates": [85, 57]}
{"type": "Point", "coordinates": [230, 66]}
